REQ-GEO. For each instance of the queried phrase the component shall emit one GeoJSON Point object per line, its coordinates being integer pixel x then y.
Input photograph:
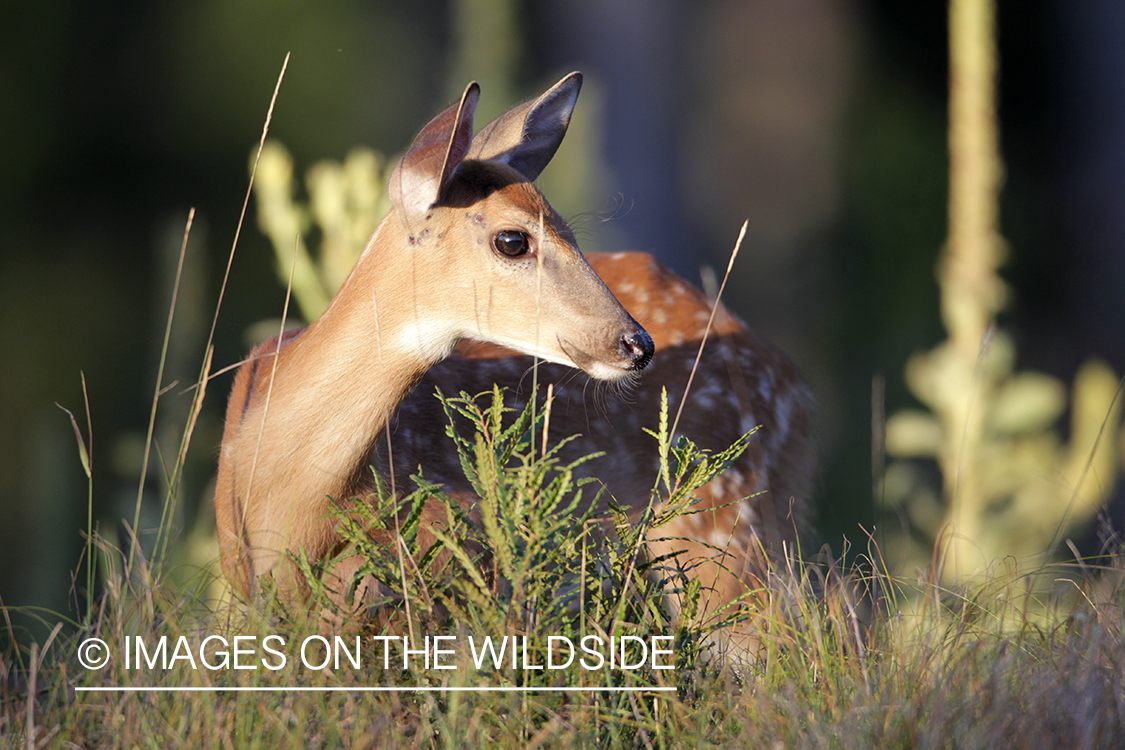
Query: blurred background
{"type": "Point", "coordinates": [823, 122]}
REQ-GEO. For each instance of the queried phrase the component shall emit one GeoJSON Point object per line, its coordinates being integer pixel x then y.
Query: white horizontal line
{"type": "Point", "coordinates": [365, 689]}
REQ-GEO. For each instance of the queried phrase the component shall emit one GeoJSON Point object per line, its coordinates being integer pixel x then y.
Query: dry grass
{"type": "Point", "coordinates": [854, 659]}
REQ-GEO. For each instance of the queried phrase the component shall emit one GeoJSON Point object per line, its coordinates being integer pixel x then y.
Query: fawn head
{"type": "Point", "coordinates": [490, 259]}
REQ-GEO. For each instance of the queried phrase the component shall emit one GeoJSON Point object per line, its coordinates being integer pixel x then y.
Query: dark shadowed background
{"type": "Point", "coordinates": [820, 121]}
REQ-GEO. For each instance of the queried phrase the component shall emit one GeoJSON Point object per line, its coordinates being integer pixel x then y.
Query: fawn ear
{"type": "Point", "coordinates": [526, 137]}
{"type": "Point", "coordinates": [420, 178]}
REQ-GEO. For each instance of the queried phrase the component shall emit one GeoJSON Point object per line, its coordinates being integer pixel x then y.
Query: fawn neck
{"type": "Point", "coordinates": [336, 384]}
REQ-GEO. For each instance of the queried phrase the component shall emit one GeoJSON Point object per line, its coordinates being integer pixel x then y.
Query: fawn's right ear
{"type": "Point", "coordinates": [419, 179]}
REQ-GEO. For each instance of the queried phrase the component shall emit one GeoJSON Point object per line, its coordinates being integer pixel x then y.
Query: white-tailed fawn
{"type": "Point", "coordinates": [472, 254]}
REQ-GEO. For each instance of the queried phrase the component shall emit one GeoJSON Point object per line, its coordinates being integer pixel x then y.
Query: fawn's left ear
{"type": "Point", "coordinates": [425, 170]}
{"type": "Point", "coordinates": [526, 137]}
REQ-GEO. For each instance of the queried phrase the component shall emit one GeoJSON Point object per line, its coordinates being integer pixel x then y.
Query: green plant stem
{"type": "Point", "coordinates": [971, 291]}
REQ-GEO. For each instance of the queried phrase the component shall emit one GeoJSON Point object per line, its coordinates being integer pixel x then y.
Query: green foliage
{"type": "Point", "coordinates": [346, 202]}
{"type": "Point", "coordinates": [982, 666]}
{"type": "Point", "coordinates": [684, 468]}
{"type": "Point", "coordinates": [1009, 483]}
{"type": "Point", "coordinates": [852, 660]}
{"type": "Point", "coordinates": [529, 558]}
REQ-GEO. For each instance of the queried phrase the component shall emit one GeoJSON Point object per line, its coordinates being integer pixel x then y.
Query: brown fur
{"type": "Point", "coordinates": [308, 412]}
{"type": "Point", "coordinates": [758, 509]}
{"type": "Point", "coordinates": [305, 413]}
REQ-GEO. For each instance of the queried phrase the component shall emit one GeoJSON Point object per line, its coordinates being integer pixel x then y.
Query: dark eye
{"type": "Point", "coordinates": [512, 243]}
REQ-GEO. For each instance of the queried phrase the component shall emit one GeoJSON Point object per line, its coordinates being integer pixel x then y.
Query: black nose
{"type": "Point", "coordinates": [638, 346]}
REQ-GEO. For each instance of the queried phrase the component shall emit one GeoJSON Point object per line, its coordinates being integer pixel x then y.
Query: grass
{"type": "Point", "coordinates": [853, 658]}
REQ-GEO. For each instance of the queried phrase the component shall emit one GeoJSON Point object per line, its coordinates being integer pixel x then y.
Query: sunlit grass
{"type": "Point", "coordinates": [852, 658]}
